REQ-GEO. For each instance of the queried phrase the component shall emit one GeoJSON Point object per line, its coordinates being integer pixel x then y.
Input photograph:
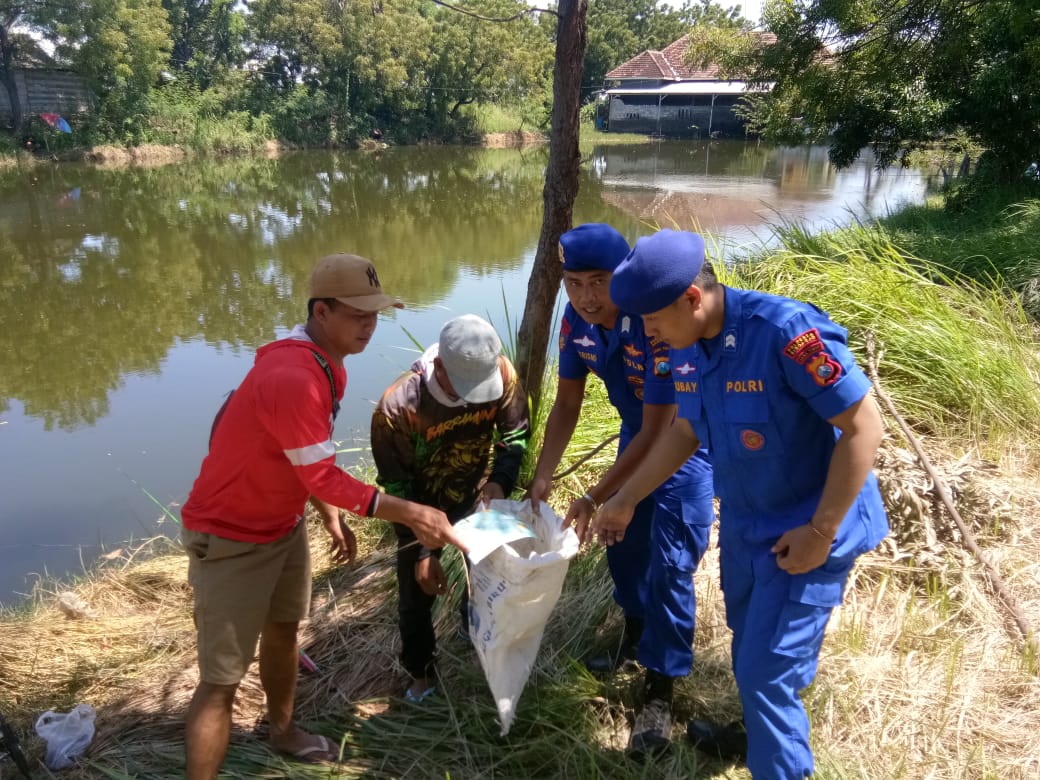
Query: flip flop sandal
{"type": "Point", "coordinates": [322, 753]}
{"type": "Point", "coordinates": [416, 698]}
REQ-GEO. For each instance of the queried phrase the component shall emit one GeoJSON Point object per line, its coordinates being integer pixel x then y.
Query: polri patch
{"type": "Point", "coordinates": [752, 440]}
{"type": "Point", "coordinates": [824, 369]}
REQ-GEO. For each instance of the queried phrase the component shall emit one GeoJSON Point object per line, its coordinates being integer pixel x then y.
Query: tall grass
{"type": "Point", "coordinates": [960, 358]}
{"type": "Point", "coordinates": [995, 237]}
{"type": "Point", "coordinates": [189, 119]}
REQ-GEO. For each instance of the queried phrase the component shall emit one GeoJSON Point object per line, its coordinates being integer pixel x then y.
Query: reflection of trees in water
{"type": "Point", "coordinates": [104, 270]}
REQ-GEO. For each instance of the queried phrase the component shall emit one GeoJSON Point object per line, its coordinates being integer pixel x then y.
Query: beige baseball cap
{"type": "Point", "coordinates": [352, 280]}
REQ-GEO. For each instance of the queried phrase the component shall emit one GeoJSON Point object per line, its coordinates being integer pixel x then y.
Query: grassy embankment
{"type": "Point", "coordinates": [180, 129]}
{"type": "Point", "coordinates": [921, 675]}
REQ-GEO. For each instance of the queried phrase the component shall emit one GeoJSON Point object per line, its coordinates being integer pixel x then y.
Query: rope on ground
{"type": "Point", "coordinates": [1004, 596]}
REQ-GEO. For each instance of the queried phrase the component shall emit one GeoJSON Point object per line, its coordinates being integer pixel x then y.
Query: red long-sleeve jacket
{"type": "Point", "coordinates": [272, 448]}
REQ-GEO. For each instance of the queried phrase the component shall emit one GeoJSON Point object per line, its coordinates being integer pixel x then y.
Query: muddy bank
{"type": "Point", "coordinates": [513, 139]}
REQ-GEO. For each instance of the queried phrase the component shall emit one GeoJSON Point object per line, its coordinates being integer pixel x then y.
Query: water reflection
{"type": "Point", "coordinates": [101, 285]}
{"type": "Point", "coordinates": [131, 300]}
{"type": "Point", "coordinates": [738, 191]}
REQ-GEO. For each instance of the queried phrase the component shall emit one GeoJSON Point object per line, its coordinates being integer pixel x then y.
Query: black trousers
{"type": "Point", "coordinates": [415, 608]}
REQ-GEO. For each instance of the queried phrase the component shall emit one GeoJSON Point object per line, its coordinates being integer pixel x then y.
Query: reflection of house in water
{"type": "Point", "coordinates": [658, 92]}
{"type": "Point", "coordinates": [711, 212]}
{"type": "Point", "coordinates": [721, 187]}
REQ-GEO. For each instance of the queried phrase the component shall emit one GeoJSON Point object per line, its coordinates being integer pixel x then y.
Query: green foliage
{"type": "Point", "coordinates": [960, 357]}
{"type": "Point", "coordinates": [208, 37]}
{"type": "Point", "coordinates": [180, 113]}
{"type": "Point", "coordinates": [319, 73]}
{"type": "Point", "coordinates": [895, 75]}
{"type": "Point", "coordinates": [992, 235]}
{"type": "Point", "coordinates": [120, 47]}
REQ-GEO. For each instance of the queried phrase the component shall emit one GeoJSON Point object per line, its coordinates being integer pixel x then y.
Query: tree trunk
{"type": "Point", "coordinates": [561, 188]}
{"type": "Point", "coordinates": [7, 79]}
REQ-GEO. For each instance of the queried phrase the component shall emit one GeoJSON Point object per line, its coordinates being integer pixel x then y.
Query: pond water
{"type": "Point", "coordinates": [132, 300]}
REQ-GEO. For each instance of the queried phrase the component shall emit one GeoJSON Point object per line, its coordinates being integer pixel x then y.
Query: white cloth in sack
{"type": "Point", "coordinates": [513, 590]}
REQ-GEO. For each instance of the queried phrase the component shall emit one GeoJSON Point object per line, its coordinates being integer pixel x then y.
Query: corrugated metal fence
{"type": "Point", "coordinates": [52, 91]}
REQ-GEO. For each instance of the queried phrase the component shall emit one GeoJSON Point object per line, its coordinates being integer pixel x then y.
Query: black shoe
{"type": "Point", "coordinates": [729, 741]}
{"type": "Point", "coordinates": [623, 658]}
{"type": "Point", "coordinates": [652, 730]}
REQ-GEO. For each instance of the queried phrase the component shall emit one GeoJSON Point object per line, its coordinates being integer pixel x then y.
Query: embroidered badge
{"type": "Point", "coordinates": [685, 369]}
{"type": "Point", "coordinates": [639, 393]}
{"type": "Point", "coordinates": [626, 324]}
{"type": "Point", "coordinates": [585, 341]}
{"type": "Point", "coordinates": [804, 346]}
{"type": "Point", "coordinates": [565, 331]}
{"type": "Point", "coordinates": [824, 369]}
{"type": "Point", "coordinates": [752, 440]}
{"type": "Point", "coordinates": [632, 352]}
{"type": "Point", "coordinates": [662, 368]}
{"type": "Point", "coordinates": [729, 341]}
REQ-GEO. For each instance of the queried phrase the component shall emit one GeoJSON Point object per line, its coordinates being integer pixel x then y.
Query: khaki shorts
{"type": "Point", "coordinates": [239, 587]}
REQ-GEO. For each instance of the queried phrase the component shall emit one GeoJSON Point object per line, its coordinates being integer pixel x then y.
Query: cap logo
{"type": "Point", "coordinates": [373, 278]}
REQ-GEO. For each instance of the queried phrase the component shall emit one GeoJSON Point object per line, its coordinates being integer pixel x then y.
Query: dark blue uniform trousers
{"type": "Point", "coordinates": [653, 568]}
{"type": "Point", "coordinates": [778, 621]}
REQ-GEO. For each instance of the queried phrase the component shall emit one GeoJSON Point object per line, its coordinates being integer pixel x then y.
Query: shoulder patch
{"type": "Point", "coordinates": [824, 369]}
{"type": "Point", "coordinates": [804, 346]}
{"type": "Point", "coordinates": [662, 368]}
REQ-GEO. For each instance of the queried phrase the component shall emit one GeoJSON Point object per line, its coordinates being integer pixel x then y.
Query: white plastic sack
{"type": "Point", "coordinates": [513, 591]}
{"type": "Point", "coordinates": [67, 734]}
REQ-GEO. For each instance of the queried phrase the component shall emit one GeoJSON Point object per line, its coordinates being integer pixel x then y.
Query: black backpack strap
{"type": "Point", "coordinates": [332, 382]}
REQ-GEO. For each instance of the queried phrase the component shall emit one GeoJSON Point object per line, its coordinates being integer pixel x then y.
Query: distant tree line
{"type": "Point", "coordinates": [315, 71]}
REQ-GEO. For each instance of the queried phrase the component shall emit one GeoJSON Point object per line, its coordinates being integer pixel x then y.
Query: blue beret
{"type": "Point", "coordinates": [658, 271]}
{"type": "Point", "coordinates": [593, 246]}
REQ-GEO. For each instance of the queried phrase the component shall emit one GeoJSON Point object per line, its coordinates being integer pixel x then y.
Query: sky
{"type": "Point", "coordinates": [750, 9]}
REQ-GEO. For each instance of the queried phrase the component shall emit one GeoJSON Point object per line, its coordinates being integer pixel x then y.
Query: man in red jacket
{"type": "Point", "coordinates": [249, 562]}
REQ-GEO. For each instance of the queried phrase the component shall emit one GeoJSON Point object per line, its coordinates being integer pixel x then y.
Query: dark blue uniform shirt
{"type": "Point", "coordinates": [758, 396]}
{"type": "Point", "coordinates": [634, 368]}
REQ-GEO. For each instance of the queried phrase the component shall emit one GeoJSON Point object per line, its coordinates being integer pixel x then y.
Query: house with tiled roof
{"type": "Point", "coordinates": [659, 93]}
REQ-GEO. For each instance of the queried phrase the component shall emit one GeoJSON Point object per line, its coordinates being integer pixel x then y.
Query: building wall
{"type": "Point", "coordinates": [48, 91]}
{"type": "Point", "coordinates": [676, 116]}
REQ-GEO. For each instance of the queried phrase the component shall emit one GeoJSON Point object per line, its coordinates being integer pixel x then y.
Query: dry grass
{"type": "Point", "coordinates": [148, 155]}
{"type": "Point", "coordinates": [514, 139]}
{"type": "Point", "coordinates": [922, 675]}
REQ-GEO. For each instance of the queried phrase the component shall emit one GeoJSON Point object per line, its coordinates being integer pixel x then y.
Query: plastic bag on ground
{"type": "Point", "coordinates": [513, 591]}
{"type": "Point", "coordinates": [67, 734]}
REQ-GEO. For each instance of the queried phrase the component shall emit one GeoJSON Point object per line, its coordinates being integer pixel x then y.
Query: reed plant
{"type": "Point", "coordinates": [959, 357]}
{"type": "Point", "coordinates": [994, 240]}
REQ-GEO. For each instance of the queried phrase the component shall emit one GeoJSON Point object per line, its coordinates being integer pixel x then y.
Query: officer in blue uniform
{"type": "Point", "coordinates": [653, 568]}
{"type": "Point", "coordinates": [769, 386]}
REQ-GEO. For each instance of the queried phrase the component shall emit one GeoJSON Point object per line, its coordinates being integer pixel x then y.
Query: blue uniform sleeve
{"type": "Point", "coordinates": [658, 387]}
{"type": "Point", "coordinates": [818, 365]}
{"type": "Point", "coordinates": [571, 365]}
